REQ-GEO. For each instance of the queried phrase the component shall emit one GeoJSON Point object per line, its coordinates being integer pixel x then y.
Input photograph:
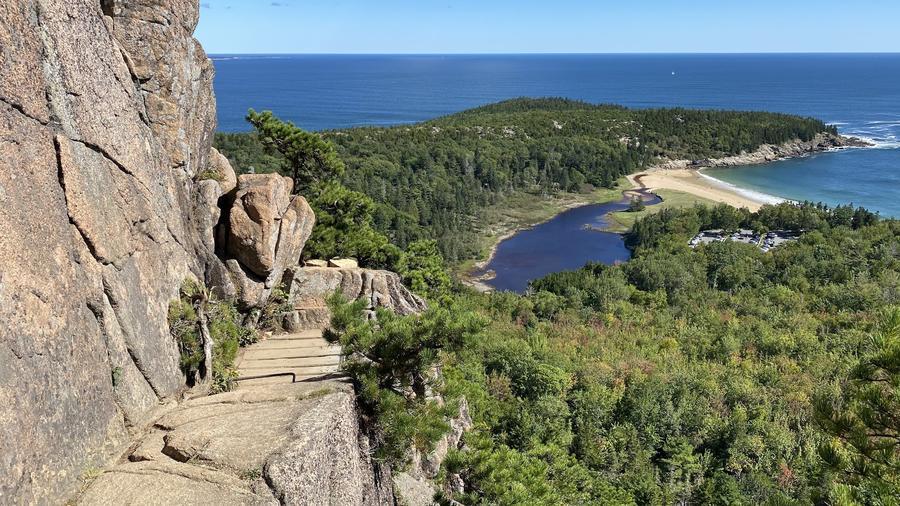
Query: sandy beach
{"type": "Point", "coordinates": [691, 181]}
{"type": "Point", "coordinates": [686, 176]}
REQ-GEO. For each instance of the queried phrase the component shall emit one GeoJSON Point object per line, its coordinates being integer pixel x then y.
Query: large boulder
{"type": "Point", "coordinates": [267, 228]}
{"type": "Point", "coordinates": [255, 218]}
{"type": "Point", "coordinates": [106, 118]}
{"type": "Point", "coordinates": [221, 171]}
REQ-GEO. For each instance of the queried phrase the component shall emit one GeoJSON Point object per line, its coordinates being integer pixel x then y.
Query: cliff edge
{"type": "Point", "coordinates": [106, 120]}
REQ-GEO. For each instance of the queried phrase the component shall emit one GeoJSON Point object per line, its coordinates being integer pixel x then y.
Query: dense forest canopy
{"type": "Point", "coordinates": [434, 179]}
{"type": "Point", "coordinates": [715, 375]}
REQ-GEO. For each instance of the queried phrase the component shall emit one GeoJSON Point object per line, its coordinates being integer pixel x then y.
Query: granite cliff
{"type": "Point", "coordinates": [112, 196]}
{"type": "Point", "coordinates": [106, 119]}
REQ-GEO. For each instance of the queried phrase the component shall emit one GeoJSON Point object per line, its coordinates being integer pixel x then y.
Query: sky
{"type": "Point", "coordinates": [549, 26]}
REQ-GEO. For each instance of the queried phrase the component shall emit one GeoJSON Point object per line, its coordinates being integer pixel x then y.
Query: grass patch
{"type": "Point", "coordinates": [251, 474]}
{"type": "Point", "coordinates": [623, 220]}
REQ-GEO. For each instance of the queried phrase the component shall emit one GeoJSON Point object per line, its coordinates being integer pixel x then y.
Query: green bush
{"type": "Point", "coordinates": [225, 330]}
{"type": "Point", "coordinates": [392, 361]}
{"type": "Point", "coordinates": [344, 220]}
{"type": "Point", "coordinates": [184, 325]}
{"type": "Point", "coordinates": [422, 269]}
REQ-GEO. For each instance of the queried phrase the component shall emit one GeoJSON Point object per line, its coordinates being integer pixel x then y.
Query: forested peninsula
{"type": "Point", "coordinates": [450, 179]}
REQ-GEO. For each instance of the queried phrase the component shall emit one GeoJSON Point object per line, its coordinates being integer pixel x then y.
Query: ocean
{"type": "Point", "coordinates": [860, 93]}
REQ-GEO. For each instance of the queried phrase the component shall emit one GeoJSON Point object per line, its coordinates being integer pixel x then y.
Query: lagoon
{"type": "Point", "coordinates": [568, 241]}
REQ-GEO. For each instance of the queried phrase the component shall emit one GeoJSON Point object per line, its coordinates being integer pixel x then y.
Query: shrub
{"type": "Point", "coordinates": [392, 362]}
{"type": "Point", "coordinates": [225, 330]}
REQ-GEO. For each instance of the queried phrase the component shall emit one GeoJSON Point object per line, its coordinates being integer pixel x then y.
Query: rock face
{"type": "Point", "coordinates": [415, 485]}
{"type": "Point", "coordinates": [106, 121]}
{"type": "Point", "coordinates": [293, 444]}
{"type": "Point", "coordinates": [309, 287]}
{"type": "Point", "coordinates": [263, 234]}
{"type": "Point", "coordinates": [172, 74]}
{"type": "Point", "coordinates": [111, 197]}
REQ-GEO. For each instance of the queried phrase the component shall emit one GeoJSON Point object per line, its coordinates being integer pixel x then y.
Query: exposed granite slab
{"type": "Point", "coordinates": [293, 443]}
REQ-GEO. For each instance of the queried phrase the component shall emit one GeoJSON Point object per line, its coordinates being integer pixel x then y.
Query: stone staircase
{"type": "Point", "coordinates": [306, 354]}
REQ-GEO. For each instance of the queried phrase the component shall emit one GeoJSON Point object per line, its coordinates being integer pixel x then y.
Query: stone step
{"type": "Point", "coordinates": [303, 334]}
{"type": "Point", "coordinates": [301, 372]}
{"type": "Point", "coordinates": [286, 362]}
{"type": "Point", "coordinates": [304, 353]}
{"type": "Point", "coordinates": [274, 344]}
{"type": "Point", "coordinates": [295, 352]}
{"type": "Point", "coordinates": [332, 376]}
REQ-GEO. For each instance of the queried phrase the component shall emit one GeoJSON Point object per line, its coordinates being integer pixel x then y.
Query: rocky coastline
{"type": "Point", "coordinates": [767, 153]}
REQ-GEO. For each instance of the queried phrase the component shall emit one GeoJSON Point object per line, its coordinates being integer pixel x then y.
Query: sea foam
{"type": "Point", "coordinates": [755, 196]}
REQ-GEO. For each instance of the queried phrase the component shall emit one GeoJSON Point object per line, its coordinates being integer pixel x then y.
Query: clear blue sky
{"type": "Point", "coordinates": [561, 26]}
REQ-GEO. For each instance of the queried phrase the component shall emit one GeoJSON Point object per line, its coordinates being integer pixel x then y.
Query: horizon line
{"type": "Point", "coordinates": [550, 53]}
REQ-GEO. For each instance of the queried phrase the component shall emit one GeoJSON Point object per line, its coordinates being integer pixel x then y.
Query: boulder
{"type": "Point", "coordinates": [316, 263]}
{"type": "Point", "coordinates": [267, 228]}
{"type": "Point", "coordinates": [250, 290]}
{"type": "Point", "coordinates": [265, 233]}
{"type": "Point", "coordinates": [254, 221]}
{"type": "Point", "coordinates": [221, 170]}
{"type": "Point", "coordinates": [343, 263]}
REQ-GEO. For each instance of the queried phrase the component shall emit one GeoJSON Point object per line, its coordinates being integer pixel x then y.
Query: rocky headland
{"type": "Point", "coordinates": [769, 153]}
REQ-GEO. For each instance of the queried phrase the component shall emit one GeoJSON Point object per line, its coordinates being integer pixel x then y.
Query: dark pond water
{"type": "Point", "coordinates": [566, 242]}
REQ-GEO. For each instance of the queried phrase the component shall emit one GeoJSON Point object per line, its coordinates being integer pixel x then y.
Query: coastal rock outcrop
{"type": "Point", "coordinates": [106, 122]}
{"type": "Point", "coordinates": [770, 152]}
{"type": "Point", "coordinates": [309, 287]}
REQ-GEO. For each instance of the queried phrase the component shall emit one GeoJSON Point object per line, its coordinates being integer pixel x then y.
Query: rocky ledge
{"type": "Point", "coordinates": [309, 287]}
{"type": "Point", "coordinates": [771, 152]}
{"type": "Point", "coordinates": [294, 443]}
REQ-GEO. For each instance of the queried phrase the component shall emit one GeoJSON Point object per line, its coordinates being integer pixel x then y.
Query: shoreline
{"type": "Point", "coordinates": [687, 175]}
{"type": "Point", "coordinates": [467, 276]}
